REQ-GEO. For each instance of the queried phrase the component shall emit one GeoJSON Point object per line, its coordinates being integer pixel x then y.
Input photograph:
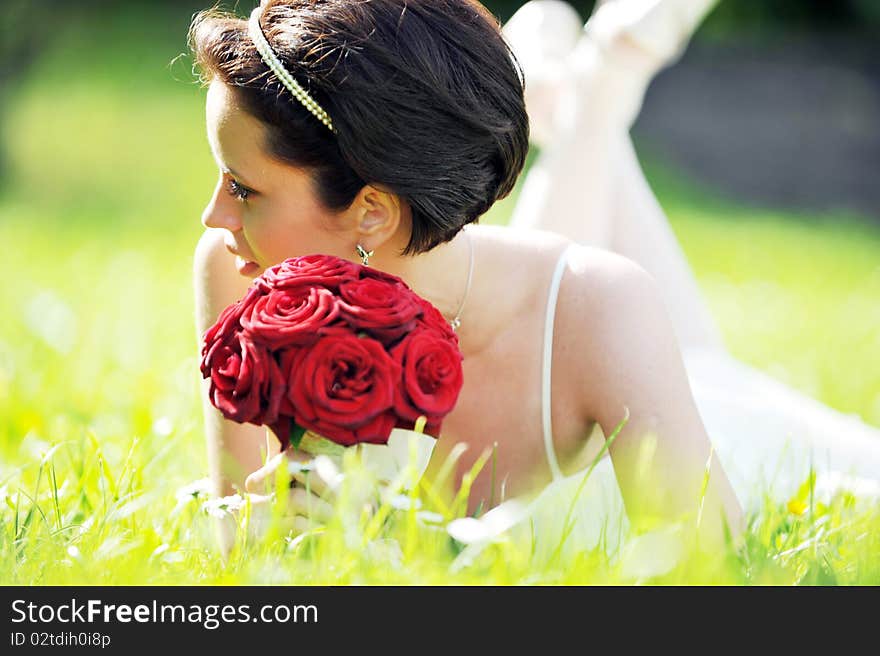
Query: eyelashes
{"type": "Point", "coordinates": [237, 191]}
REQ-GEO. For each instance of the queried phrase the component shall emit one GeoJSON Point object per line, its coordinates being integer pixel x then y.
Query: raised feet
{"type": "Point", "coordinates": [605, 64]}
{"type": "Point", "coordinates": [542, 33]}
{"type": "Point", "coordinates": [660, 29]}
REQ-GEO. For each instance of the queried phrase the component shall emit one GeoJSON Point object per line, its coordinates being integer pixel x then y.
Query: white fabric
{"type": "Point", "coordinates": [405, 448]}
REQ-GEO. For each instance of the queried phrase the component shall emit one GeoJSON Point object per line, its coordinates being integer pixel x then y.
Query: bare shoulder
{"type": "Point", "coordinates": [518, 261]}
{"type": "Point", "coordinates": [518, 242]}
{"type": "Point", "coordinates": [616, 328]}
{"type": "Point", "coordinates": [216, 281]}
{"type": "Point", "coordinates": [596, 286]}
{"type": "Point", "coordinates": [605, 282]}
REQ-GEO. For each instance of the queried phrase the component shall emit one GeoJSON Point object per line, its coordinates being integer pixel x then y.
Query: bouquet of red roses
{"type": "Point", "coordinates": [336, 348]}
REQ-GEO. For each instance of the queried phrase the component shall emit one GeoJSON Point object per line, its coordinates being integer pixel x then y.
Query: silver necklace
{"type": "Point", "coordinates": [456, 322]}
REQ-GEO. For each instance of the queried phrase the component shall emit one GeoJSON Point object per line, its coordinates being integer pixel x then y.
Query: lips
{"type": "Point", "coordinates": [245, 266]}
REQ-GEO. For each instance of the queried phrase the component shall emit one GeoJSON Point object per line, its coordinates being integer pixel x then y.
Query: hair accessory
{"type": "Point", "coordinates": [271, 60]}
{"type": "Point", "coordinates": [364, 255]}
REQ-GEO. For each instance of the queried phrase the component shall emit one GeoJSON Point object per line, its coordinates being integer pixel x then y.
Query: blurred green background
{"type": "Point", "coordinates": [105, 171]}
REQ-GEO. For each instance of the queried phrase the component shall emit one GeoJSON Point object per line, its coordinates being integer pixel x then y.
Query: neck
{"type": "Point", "coordinates": [439, 276]}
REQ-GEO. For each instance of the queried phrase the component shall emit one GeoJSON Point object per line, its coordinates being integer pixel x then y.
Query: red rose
{"type": "Point", "coordinates": [376, 274]}
{"type": "Point", "coordinates": [281, 427]}
{"type": "Point", "coordinates": [342, 388]}
{"type": "Point", "coordinates": [325, 270]}
{"type": "Point", "coordinates": [246, 381]}
{"type": "Point", "coordinates": [432, 319]}
{"type": "Point", "coordinates": [290, 317]}
{"type": "Point", "coordinates": [432, 376]}
{"type": "Point", "coordinates": [386, 309]}
{"type": "Point", "coordinates": [229, 320]}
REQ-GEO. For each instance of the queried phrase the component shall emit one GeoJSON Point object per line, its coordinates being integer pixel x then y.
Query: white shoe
{"type": "Point", "coordinates": [624, 45]}
{"type": "Point", "coordinates": [542, 33]}
{"type": "Point", "coordinates": [662, 28]}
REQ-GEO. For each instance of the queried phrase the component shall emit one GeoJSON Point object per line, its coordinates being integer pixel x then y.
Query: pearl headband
{"type": "Point", "coordinates": [271, 60]}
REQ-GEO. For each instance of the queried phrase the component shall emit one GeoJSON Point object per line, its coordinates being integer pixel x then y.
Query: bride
{"type": "Point", "coordinates": [383, 131]}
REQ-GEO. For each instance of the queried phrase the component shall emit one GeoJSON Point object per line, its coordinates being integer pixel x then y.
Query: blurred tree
{"type": "Point", "coordinates": [14, 49]}
{"type": "Point", "coordinates": [25, 23]}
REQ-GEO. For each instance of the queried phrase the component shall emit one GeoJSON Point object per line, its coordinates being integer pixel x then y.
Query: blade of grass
{"type": "Point", "coordinates": [568, 524]}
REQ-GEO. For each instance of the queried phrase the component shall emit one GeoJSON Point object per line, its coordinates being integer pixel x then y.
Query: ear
{"type": "Point", "coordinates": [378, 216]}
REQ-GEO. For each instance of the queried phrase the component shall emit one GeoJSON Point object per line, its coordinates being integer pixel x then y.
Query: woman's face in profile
{"type": "Point", "coordinates": [268, 208]}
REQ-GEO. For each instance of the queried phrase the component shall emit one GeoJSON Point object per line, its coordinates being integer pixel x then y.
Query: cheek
{"type": "Point", "coordinates": [287, 235]}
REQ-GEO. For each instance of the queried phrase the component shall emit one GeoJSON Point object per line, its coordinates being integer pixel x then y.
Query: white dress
{"type": "Point", "coordinates": [767, 437]}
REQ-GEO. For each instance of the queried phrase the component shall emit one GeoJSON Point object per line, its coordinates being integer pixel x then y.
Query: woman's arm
{"type": "Point", "coordinates": [633, 365]}
{"type": "Point", "coordinates": [234, 450]}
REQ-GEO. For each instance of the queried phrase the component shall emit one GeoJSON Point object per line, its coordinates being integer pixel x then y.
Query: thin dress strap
{"type": "Point", "coordinates": [546, 407]}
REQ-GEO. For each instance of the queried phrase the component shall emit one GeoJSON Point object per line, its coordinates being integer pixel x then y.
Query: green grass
{"type": "Point", "coordinates": [100, 424]}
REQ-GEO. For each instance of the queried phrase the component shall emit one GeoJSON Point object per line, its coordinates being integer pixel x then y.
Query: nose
{"type": "Point", "coordinates": [221, 211]}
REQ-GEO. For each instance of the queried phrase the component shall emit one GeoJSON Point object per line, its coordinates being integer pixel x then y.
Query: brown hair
{"type": "Point", "coordinates": [425, 95]}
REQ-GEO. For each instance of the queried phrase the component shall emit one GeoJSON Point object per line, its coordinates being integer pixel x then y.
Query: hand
{"type": "Point", "coordinates": [312, 493]}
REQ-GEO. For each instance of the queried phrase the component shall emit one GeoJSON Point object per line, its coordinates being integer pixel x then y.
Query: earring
{"type": "Point", "coordinates": [364, 255]}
